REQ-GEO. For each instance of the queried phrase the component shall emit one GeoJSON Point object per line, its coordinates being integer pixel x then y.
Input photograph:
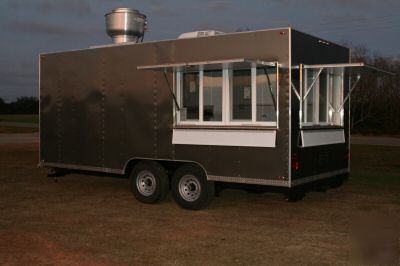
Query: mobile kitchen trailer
{"type": "Point", "coordinates": [267, 108]}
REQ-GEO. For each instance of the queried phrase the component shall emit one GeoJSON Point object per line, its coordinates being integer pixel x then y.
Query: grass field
{"type": "Point", "coordinates": [17, 130]}
{"type": "Point", "coordinates": [20, 118]}
{"type": "Point", "coordinates": [94, 220]}
{"type": "Point", "coordinates": [376, 166]}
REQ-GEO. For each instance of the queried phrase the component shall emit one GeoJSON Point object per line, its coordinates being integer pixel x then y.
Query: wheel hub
{"type": "Point", "coordinates": [146, 183]}
{"type": "Point", "coordinates": [189, 188]}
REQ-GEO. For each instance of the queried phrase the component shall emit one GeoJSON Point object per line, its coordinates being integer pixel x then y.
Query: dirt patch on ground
{"type": "Point", "coordinates": [95, 220]}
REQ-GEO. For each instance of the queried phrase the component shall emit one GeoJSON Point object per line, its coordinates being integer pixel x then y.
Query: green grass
{"type": "Point", "coordinates": [377, 166]}
{"type": "Point", "coordinates": [20, 118]}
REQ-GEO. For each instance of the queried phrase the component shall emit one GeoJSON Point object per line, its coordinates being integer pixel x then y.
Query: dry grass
{"type": "Point", "coordinates": [12, 130]}
{"type": "Point", "coordinates": [20, 118]}
{"type": "Point", "coordinates": [92, 220]}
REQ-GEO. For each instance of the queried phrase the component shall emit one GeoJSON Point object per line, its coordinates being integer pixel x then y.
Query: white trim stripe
{"type": "Point", "coordinates": [312, 138]}
{"type": "Point", "coordinates": [238, 138]}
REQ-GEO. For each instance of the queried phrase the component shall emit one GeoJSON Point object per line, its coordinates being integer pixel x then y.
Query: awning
{"type": "Point", "coordinates": [355, 68]}
{"type": "Point", "coordinates": [240, 63]}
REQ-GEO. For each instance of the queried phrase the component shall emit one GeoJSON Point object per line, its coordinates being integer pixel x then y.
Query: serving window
{"type": "Point", "coordinates": [321, 92]}
{"type": "Point", "coordinates": [323, 97]}
{"type": "Point", "coordinates": [227, 96]}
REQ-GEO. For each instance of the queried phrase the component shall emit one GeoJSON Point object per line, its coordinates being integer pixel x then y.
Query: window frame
{"type": "Point", "coordinates": [316, 98]}
{"type": "Point", "coordinates": [226, 99]}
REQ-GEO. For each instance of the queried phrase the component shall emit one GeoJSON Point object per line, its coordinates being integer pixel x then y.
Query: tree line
{"type": "Point", "coordinates": [23, 105]}
{"type": "Point", "coordinates": [375, 102]}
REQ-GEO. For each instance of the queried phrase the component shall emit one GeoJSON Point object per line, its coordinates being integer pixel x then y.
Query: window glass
{"type": "Point", "coordinates": [323, 98]}
{"type": "Point", "coordinates": [309, 101]}
{"type": "Point", "coordinates": [241, 95]}
{"type": "Point", "coordinates": [266, 94]}
{"type": "Point", "coordinates": [336, 97]}
{"type": "Point", "coordinates": [190, 97]}
{"type": "Point", "coordinates": [212, 95]}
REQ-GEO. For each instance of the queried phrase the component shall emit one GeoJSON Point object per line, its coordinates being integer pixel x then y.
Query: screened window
{"type": "Point", "coordinates": [190, 97]}
{"type": "Point", "coordinates": [335, 98]}
{"type": "Point", "coordinates": [266, 85]}
{"type": "Point", "coordinates": [241, 99]}
{"type": "Point", "coordinates": [212, 95]}
{"type": "Point", "coordinates": [310, 100]}
{"type": "Point", "coordinates": [228, 96]}
{"type": "Point", "coordinates": [323, 97]}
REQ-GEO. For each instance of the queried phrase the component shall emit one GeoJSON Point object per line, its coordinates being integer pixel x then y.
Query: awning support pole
{"type": "Point", "coordinates": [301, 94]}
{"type": "Point", "coordinates": [312, 85]}
{"type": "Point", "coordinates": [330, 106]}
{"type": "Point", "coordinates": [270, 87]}
{"type": "Point", "coordinates": [170, 90]}
{"type": "Point", "coordinates": [350, 91]}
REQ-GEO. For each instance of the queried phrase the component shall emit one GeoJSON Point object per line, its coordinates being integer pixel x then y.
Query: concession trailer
{"type": "Point", "coordinates": [265, 109]}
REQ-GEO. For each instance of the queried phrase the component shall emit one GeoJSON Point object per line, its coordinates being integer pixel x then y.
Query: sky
{"type": "Point", "coordinates": [31, 27]}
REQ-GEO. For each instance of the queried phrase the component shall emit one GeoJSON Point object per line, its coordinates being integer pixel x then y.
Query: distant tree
{"type": "Point", "coordinates": [23, 105]}
{"type": "Point", "coordinates": [375, 103]}
{"type": "Point", "coordinates": [3, 106]}
{"type": "Point", "coordinates": [26, 105]}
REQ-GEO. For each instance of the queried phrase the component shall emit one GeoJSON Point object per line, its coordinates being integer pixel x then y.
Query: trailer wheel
{"type": "Point", "coordinates": [337, 181]}
{"type": "Point", "coordinates": [190, 187]}
{"type": "Point", "coordinates": [149, 182]}
{"type": "Point", "coordinates": [295, 194]}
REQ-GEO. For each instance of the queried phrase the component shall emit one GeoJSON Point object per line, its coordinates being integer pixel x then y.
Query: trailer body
{"type": "Point", "coordinates": [103, 109]}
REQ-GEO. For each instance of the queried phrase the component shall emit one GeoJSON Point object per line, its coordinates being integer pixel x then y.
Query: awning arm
{"type": "Point", "coordinates": [350, 91]}
{"type": "Point", "coordinates": [170, 90]}
{"type": "Point", "coordinates": [295, 92]}
{"type": "Point", "coordinates": [330, 105]}
{"type": "Point", "coordinates": [313, 83]}
{"type": "Point", "coordinates": [270, 87]}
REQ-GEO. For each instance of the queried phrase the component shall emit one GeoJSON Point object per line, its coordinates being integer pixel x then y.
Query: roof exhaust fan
{"type": "Point", "coordinates": [125, 25]}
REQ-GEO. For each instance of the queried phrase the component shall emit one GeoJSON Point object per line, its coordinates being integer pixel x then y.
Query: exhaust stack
{"type": "Point", "coordinates": [126, 25]}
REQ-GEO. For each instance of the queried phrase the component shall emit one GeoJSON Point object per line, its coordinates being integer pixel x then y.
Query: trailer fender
{"type": "Point", "coordinates": [169, 165]}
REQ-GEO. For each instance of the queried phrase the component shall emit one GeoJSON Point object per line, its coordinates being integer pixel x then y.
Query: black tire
{"type": "Point", "coordinates": [149, 182]}
{"type": "Point", "coordinates": [295, 194]}
{"type": "Point", "coordinates": [190, 187]}
{"type": "Point", "coordinates": [338, 181]}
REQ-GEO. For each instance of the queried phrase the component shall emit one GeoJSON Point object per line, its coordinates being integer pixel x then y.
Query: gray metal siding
{"type": "Point", "coordinates": [317, 160]}
{"type": "Point", "coordinates": [98, 110]}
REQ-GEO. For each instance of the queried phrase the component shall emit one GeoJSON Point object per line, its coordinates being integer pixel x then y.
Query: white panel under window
{"type": "Point", "coordinates": [312, 138]}
{"type": "Point", "coordinates": [237, 138]}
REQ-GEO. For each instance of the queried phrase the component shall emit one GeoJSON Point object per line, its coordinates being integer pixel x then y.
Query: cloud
{"type": "Point", "coordinates": [37, 27]}
{"type": "Point", "coordinates": [77, 7]}
{"type": "Point", "coordinates": [17, 79]}
{"type": "Point", "coordinates": [343, 3]}
{"type": "Point", "coordinates": [162, 11]}
{"type": "Point", "coordinates": [219, 6]}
